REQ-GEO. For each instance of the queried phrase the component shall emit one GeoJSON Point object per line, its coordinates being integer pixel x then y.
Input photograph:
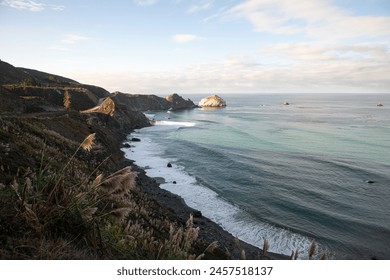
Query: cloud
{"type": "Point", "coordinates": [30, 5]}
{"type": "Point", "coordinates": [201, 6]}
{"type": "Point", "coordinates": [316, 19]}
{"type": "Point", "coordinates": [185, 38]}
{"type": "Point", "coordinates": [24, 5]}
{"type": "Point", "coordinates": [73, 38]}
{"type": "Point", "coordinates": [67, 41]}
{"type": "Point", "coordinates": [145, 2]}
{"type": "Point", "coordinates": [315, 53]}
{"type": "Point", "coordinates": [310, 68]}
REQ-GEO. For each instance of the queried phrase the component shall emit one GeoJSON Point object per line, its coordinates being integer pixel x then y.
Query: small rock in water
{"type": "Point", "coordinates": [169, 164]}
{"type": "Point", "coordinates": [370, 182]}
{"type": "Point", "coordinates": [126, 145]}
{"type": "Point", "coordinates": [134, 139]}
{"type": "Point", "coordinates": [174, 182]}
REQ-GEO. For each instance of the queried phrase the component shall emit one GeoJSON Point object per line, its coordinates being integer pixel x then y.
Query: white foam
{"type": "Point", "coordinates": [150, 156]}
{"type": "Point", "coordinates": [178, 124]}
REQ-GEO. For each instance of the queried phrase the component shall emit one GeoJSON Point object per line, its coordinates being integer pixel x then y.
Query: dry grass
{"type": "Point", "coordinates": [312, 249]}
{"type": "Point", "coordinates": [265, 247]}
{"type": "Point", "coordinates": [324, 256]}
{"type": "Point", "coordinates": [88, 141]}
{"type": "Point", "coordinates": [67, 100]}
{"type": "Point", "coordinates": [63, 213]}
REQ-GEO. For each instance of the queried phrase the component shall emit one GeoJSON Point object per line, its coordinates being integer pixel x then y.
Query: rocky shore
{"type": "Point", "coordinates": [48, 177]}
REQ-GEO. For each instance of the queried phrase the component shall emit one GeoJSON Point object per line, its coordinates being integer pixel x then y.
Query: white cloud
{"type": "Point", "coordinates": [65, 44]}
{"type": "Point", "coordinates": [317, 19]}
{"type": "Point", "coordinates": [312, 68]}
{"type": "Point", "coordinates": [24, 5]}
{"type": "Point", "coordinates": [201, 6]}
{"type": "Point", "coordinates": [145, 2]}
{"type": "Point", "coordinates": [30, 5]}
{"type": "Point", "coordinates": [73, 38]}
{"type": "Point", "coordinates": [185, 38]}
{"type": "Point", "coordinates": [315, 53]}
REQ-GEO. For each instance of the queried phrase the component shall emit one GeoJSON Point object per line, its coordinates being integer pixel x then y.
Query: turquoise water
{"type": "Point", "coordinates": [286, 173]}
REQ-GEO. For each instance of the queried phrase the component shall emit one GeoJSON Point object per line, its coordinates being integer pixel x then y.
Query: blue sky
{"type": "Point", "coordinates": [204, 46]}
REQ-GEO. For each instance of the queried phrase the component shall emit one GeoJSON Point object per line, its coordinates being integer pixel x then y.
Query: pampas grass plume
{"type": "Point", "coordinates": [296, 254]}
{"type": "Point", "coordinates": [212, 247]}
{"type": "Point", "coordinates": [87, 143]}
{"type": "Point", "coordinates": [243, 255]}
{"type": "Point", "coordinates": [265, 247]}
{"type": "Point", "coordinates": [324, 256]}
{"type": "Point", "coordinates": [97, 181]}
{"type": "Point", "coordinates": [312, 248]}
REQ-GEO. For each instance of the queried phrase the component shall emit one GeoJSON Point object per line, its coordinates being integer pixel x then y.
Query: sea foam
{"type": "Point", "coordinates": [151, 156]}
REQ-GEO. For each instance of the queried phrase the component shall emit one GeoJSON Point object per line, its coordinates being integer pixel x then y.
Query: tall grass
{"type": "Point", "coordinates": [99, 216]}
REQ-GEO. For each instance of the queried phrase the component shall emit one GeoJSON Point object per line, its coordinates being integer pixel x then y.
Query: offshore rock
{"type": "Point", "coordinates": [212, 101]}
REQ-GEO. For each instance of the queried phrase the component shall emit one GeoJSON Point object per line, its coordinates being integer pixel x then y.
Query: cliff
{"type": "Point", "coordinates": [66, 191]}
{"type": "Point", "coordinates": [138, 102]}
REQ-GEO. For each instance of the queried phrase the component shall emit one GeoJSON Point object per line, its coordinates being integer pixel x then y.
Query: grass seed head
{"type": "Point", "coordinates": [88, 142]}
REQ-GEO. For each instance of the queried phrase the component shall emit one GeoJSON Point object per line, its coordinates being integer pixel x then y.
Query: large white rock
{"type": "Point", "coordinates": [212, 101]}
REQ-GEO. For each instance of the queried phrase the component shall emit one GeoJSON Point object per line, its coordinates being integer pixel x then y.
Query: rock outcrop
{"type": "Point", "coordinates": [105, 106]}
{"type": "Point", "coordinates": [212, 101]}
{"type": "Point", "coordinates": [177, 102]}
{"type": "Point", "coordinates": [140, 102]}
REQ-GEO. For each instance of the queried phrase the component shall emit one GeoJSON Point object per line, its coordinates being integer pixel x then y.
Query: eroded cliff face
{"type": "Point", "coordinates": [139, 102]}
{"type": "Point", "coordinates": [177, 102]}
{"type": "Point", "coordinates": [212, 101]}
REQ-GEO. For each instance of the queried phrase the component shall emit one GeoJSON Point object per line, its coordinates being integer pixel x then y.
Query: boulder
{"type": "Point", "coordinates": [212, 101]}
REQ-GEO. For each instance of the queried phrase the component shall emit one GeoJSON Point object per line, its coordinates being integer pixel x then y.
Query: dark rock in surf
{"type": "Point", "coordinates": [134, 139]}
{"type": "Point", "coordinates": [169, 164]}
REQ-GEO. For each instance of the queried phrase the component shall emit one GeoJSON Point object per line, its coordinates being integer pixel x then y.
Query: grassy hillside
{"type": "Point", "coordinates": [65, 190]}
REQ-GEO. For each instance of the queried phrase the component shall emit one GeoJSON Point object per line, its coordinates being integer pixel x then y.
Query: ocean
{"type": "Point", "coordinates": [317, 169]}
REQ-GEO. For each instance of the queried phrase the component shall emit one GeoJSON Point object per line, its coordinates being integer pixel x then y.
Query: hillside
{"type": "Point", "coordinates": [67, 192]}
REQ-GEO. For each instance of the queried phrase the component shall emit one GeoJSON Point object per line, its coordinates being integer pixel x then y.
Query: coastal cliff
{"type": "Point", "coordinates": [66, 190]}
{"type": "Point", "coordinates": [138, 102]}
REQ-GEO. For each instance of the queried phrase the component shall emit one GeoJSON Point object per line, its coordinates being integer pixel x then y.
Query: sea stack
{"type": "Point", "coordinates": [212, 101]}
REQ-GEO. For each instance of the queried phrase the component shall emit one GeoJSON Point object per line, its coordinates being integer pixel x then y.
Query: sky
{"type": "Point", "coordinates": [204, 46]}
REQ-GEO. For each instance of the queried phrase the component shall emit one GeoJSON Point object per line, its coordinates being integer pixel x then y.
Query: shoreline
{"type": "Point", "coordinates": [209, 230]}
